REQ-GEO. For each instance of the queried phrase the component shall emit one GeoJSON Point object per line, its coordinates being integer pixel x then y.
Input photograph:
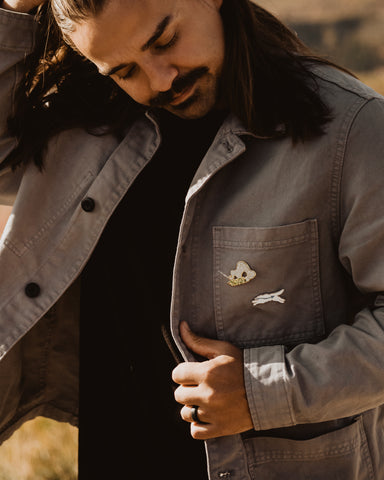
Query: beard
{"type": "Point", "coordinates": [203, 99]}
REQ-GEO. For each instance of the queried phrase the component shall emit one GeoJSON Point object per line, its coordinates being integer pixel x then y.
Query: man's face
{"type": "Point", "coordinates": [162, 53]}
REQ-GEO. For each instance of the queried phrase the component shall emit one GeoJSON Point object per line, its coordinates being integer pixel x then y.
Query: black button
{"type": "Point", "coordinates": [32, 290]}
{"type": "Point", "coordinates": [88, 204]}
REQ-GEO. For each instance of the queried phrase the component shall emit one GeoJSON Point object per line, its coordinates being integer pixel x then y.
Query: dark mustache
{"type": "Point", "coordinates": [178, 85]}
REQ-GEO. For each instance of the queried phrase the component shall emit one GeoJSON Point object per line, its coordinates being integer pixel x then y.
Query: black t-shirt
{"type": "Point", "coordinates": [129, 421]}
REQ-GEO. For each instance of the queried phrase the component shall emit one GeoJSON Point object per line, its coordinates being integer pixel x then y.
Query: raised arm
{"type": "Point", "coordinates": [16, 41]}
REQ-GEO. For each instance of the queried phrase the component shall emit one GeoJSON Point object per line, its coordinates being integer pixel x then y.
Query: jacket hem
{"type": "Point", "coordinates": [46, 410]}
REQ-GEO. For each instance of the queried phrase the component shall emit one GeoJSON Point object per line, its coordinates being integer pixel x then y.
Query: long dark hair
{"type": "Point", "coordinates": [267, 81]}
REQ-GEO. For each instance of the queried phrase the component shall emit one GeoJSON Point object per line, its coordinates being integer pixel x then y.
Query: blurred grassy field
{"type": "Point", "coordinates": [350, 32]}
{"type": "Point", "coordinates": [41, 449]}
{"type": "Point", "coordinates": [315, 10]}
{"type": "Point", "coordinates": [374, 78]}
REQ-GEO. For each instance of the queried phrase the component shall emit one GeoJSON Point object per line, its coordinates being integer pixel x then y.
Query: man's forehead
{"type": "Point", "coordinates": [126, 24]}
{"type": "Point", "coordinates": [146, 8]}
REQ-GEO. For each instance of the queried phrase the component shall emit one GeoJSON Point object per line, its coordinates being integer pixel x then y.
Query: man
{"type": "Point", "coordinates": [279, 260]}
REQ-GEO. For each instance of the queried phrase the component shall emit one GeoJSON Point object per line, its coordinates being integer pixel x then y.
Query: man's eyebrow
{"type": "Point", "coordinates": [158, 32]}
{"type": "Point", "coordinates": [113, 70]}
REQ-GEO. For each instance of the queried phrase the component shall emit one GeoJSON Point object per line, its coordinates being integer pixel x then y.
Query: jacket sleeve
{"type": "Point", "coordinates": [343, 375]}
{"type": "Point", "coordinates": [16, 41]}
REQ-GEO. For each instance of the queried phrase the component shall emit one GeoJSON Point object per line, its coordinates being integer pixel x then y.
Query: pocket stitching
{"type": "Point", "coordinates": [337, 451]}
{"type": "Point", "coordinates": [290, 454]}
{"type": "Point", "coordinates": [365, 449]}
{"type": "Point", "coordinates": [262, 245]}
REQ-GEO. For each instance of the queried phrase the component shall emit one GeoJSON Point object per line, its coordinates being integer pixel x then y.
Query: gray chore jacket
{"type": "Point", "coordinates": [308, 220]}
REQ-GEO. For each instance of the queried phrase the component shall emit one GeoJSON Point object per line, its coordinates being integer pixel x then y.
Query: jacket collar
{"type": "Point", "coordinates": [226, 146]}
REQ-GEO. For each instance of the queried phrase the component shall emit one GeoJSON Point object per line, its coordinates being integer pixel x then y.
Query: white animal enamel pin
{"type": "Point", "coordinates": [243, 274]}
{"type": "Point", "coordinates": [269, 297]}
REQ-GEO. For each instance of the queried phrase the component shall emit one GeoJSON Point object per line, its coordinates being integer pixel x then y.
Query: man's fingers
{"type": "Point", "coordinates": [188, 373]}
{"type": "Point", "coordinates": [205, 347]}
{"type": "Point", "coordinates": [22, 6]}
{"type": "Point", "coordinates": [188, 395]}
{"type": "Point", "coordinates": [187, 414]}
{"type": "Point", "coordinates": [204, 431]}
{"type": "Point", "coordinates": [206, 428]}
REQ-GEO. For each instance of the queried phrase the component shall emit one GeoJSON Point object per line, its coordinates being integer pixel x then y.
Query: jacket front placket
{"type": "Point", "coordinates": [225, 456]}
{"type": "Point", "coordinates": [63, 263]}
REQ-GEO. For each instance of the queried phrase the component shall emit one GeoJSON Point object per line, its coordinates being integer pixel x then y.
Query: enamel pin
{"type": "Point", "coordinates": [243, 274]}
{"type": "Point", "coordinates": [269, 297]}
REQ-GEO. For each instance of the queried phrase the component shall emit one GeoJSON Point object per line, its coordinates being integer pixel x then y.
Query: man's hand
{"type": "Point", "coordinates": [22, 6]}
{"type": "Point", "coordinates": [216, 386]}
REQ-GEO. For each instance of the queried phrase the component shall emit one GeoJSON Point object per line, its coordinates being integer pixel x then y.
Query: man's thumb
{"type": "Point", "coordinates": [205, 347]}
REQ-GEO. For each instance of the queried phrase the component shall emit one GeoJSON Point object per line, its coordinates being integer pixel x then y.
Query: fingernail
{"type": "Point", "coordinates": [186, 326]}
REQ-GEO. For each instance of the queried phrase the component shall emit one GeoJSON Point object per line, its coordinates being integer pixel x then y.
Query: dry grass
{"type": "Point", "coordinates": [41, 449]}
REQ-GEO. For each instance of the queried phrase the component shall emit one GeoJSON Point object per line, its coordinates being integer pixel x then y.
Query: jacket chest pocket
{"type": "Point", "coordinates": [267, 284]}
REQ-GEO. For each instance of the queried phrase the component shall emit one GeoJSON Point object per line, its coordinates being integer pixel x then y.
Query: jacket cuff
{"type": "Point", "coordinates": [16, 30]}
{"type": "Point", "coordinates": [266, 386]}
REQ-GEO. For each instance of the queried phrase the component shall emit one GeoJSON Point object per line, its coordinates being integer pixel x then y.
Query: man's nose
{"type": "Point", "coordinates": [161, 76]}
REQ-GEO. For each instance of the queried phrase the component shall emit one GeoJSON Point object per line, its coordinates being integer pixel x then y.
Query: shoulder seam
{"type": "Point", "coordinates": [338, 163]}
{"type": "Point", "coordinates": [360, 92]}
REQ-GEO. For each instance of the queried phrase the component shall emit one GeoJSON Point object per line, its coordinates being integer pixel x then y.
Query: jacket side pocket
{"type": "Point", "coordinates": [339, 455]}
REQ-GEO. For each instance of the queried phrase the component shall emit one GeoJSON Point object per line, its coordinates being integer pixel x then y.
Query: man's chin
{"type": "Point", "coordinates": [193, 108]}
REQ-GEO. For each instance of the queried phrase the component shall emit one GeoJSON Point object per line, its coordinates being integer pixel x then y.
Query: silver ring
{"type": "Point", "coordinates": [195, 416]}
